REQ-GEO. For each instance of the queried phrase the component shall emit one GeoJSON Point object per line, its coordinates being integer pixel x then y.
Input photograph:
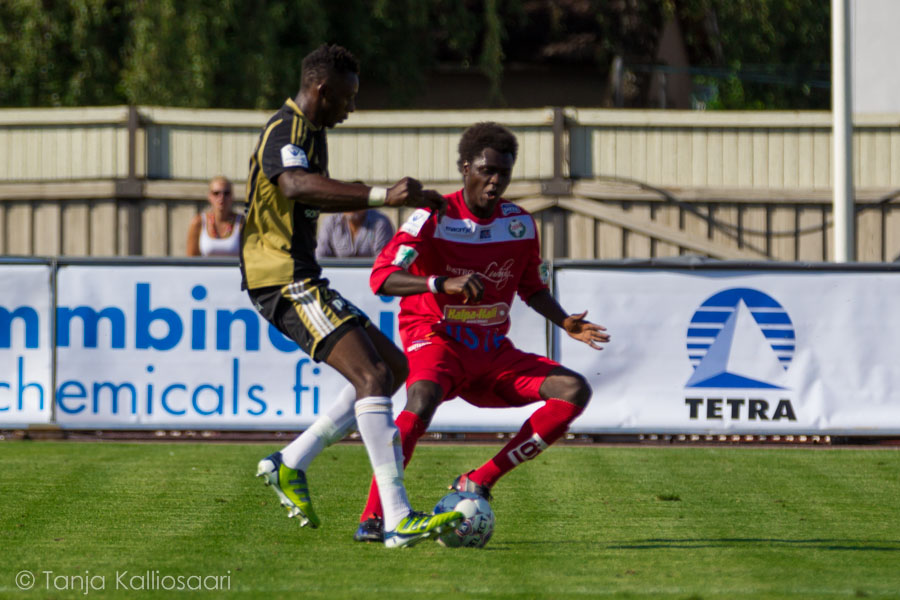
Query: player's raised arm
{"type": "Point", "coordinates": [576, 325]}
{"type": "Point", "coordinates": [331, 195]}
{"type": "Point", "coordinates": [409, 192]}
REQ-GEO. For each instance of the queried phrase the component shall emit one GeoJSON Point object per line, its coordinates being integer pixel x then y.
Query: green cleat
{"type": "Point", "coordinates": [290, 485]}
{"type": "Point", "coordinates": [416, 527]}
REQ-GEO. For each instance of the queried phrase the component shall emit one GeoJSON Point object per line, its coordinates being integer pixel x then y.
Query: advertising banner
{"type": "Point", "coordinates": [182, 347]}
{"type": "Point", "coordinates": [26, 345]}
{"type": "Point", "coordinates": [713, 351]}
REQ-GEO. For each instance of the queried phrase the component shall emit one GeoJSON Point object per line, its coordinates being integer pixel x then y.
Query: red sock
{"type": "Point", "coordinates": [545, 426]}
{"type": "Point", "coordinates": [411, 429]}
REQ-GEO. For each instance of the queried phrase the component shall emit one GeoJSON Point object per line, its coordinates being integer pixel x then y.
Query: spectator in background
{"type": "Point", "coordinates": [352, 234]}
{"type": "Point", "coordinates": [216, 232]}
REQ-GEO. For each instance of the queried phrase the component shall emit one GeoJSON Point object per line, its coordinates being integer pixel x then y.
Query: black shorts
{"type": "Point", "coordinates": [310, 313]}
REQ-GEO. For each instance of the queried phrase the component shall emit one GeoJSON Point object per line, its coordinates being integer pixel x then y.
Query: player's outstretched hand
{"type": "Point", "coordinates": [584, 331]}
{"type": "Point", "coordinates": [470, 286]}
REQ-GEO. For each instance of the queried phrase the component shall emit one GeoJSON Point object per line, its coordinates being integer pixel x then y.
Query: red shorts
{"type": "Point", "coordinates": [499, 377]}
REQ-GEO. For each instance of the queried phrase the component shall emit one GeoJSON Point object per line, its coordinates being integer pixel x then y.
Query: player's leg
{"type": "Point", "coordinates": [306, 312]}
{"type": "Point", "coordinates": [435, 366]}
{"type": "Point", "coordinates": [331, 329]}
{"type": "Point", "coordinates": [340, 419]}
{"type": "Point", "coordinates": [331, 427]}
{"type": "Point", "coordinates": [423, 397]}
{"type": "Point", "coordinates": [371, 528]}
{"type": "Point", "coordinates": [390, 354]}
{"type": "Point", "coordinates": [533, 378]}
{"type": "Point", "coordinates": [316, 318]}
{"type": "Point", "coordinates": [355, 357]}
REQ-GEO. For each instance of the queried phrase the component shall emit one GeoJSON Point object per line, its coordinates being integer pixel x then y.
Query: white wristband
{"type": "Point", "coordinates": [431, 287]}
{"type": "Point", "coordinates": [377, 196]}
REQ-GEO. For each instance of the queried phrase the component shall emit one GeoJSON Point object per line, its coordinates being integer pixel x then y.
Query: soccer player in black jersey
{"type": "Point", "coordinates": [288, 187]}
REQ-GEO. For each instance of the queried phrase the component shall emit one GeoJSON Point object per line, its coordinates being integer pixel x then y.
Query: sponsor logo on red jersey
{"type": "Point", "coordinates": [494, 272]}
{"type": "Point", "coordinates": [489, 314]}
{"type": "Point", "coordinates": [417, 345]}
{"type": "Point", "coordinates": [499, 274]}
{"type": "Point", "coordinates": [458, 228]}
{"type": "Point", "coordinates": [502, 229]}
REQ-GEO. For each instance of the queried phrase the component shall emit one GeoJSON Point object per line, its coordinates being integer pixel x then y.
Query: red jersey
{"type": "Point", "coordinates": [503, 249]}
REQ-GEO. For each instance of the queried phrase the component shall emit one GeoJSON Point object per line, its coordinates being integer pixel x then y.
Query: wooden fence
{"type": "Point", "coordinates": [602, 183]}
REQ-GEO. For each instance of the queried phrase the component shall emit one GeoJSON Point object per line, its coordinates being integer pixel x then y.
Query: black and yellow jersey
{"type": "Point", "coordinates": [278, 240]}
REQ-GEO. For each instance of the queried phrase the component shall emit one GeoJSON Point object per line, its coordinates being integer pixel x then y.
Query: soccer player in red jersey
{"type": "Point", "coordinates": [457, 274]}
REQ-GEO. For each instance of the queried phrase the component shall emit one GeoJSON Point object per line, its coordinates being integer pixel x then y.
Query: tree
{"type": "Point", "coordinates": [239, 54]}
{"type": "Point", "coordinates": [761, 54]}
{"type": "Point", "coordinates": [61, 54]}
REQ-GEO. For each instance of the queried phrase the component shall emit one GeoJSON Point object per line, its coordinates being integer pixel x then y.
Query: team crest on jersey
{"type": "Point", "coordinates": [516, 228]}
{"type": "Point", "coordinates": [510, 209]}
{"type": "Point", "coordinates": [406, 256]}
{"type": "Point", "coordinates": [414, 223]}
{"type": "Point", "coordinates": [294, 156]}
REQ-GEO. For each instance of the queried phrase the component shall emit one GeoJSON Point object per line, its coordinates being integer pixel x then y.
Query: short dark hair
{"type": "Point", "coordinates": [325, 60]}
{"type": "Point", "coordinates": [485, 135]}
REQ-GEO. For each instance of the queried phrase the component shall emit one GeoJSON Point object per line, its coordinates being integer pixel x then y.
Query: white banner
{"type": "Point", "coordinates": [26, 393]}
{"type": "Point", "coordinates": [693, 351]}
{"type": "Point", "coordinates": [182, 347]}
{"type": "Point", "coordinates": [738, 351]}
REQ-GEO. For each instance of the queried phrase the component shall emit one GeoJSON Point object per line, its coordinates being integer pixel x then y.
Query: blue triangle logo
{"type": "Point", "coordinates": [749, 349]}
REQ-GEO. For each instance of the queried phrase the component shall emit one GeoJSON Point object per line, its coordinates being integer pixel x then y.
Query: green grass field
{"type": "Point", "coordinates": [578, 522]}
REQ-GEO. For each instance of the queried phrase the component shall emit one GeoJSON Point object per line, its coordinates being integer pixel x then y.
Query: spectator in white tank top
{"type": "Point", "coordinates": [216, 232]}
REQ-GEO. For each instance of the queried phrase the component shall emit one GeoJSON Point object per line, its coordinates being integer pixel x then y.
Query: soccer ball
{"type": "Point", "coordinates": [478, 525]}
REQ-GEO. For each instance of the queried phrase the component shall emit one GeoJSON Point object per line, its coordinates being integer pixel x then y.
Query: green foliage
{"type": "Point", "coordinates": [228, 53]}
{"type": "Point", "coordinates": [492, 57]}
{"type": "Point", "coordinates": [776, 52]}
{"type": "Point", "coordinates": [237, 54]}
{"type": "Point", "coordinates": [60, 53]}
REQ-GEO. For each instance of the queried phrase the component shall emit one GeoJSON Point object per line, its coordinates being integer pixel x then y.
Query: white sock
{"type": "Point", "coordinates": [326, 430]}
{"type": "Point", "coordinates": [382, 440]}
